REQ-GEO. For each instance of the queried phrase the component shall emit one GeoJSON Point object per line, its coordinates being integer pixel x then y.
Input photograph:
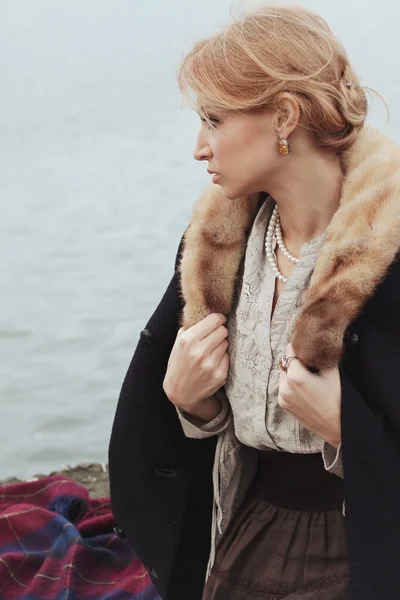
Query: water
{"type": "Point", "coordinates": [97, 183]}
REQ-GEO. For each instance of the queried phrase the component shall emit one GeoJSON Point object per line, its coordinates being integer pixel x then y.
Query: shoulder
{"type": "Point", "coordinates": [385, 302]}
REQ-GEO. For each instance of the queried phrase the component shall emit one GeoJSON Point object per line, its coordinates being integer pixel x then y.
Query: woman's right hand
{"type": "Point", "coordinates": [198, 365]}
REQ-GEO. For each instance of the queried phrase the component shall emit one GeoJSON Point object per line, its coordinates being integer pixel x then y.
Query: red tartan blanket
{"type": "Point", "coordinates": [57, 544]}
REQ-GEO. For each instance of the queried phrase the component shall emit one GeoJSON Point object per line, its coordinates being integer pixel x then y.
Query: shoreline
{"type": "Point", "coordinates": [93, 476]}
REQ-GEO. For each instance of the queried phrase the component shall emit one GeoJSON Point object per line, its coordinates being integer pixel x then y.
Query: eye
{"type": "Point", "coordinates": [214, 122]}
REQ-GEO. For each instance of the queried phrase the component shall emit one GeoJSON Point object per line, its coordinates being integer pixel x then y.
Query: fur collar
{"type": "Point", "coordinates": [361, 242]}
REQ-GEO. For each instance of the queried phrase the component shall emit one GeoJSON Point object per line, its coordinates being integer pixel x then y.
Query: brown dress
{"type": "Point", "coordinates": [288, 540]}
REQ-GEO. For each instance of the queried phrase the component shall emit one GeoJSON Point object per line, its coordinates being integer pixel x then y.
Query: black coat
{"type": "Point", "coordinates": [161, 488]}
{"type": "Point", "coordinates": [161, 481]}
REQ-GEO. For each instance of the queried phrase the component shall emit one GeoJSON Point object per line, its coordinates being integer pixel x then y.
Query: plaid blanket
{"type": "Point", "coordinates": [57, 544]}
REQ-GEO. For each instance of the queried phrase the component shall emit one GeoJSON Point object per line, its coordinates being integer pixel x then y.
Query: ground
{"type": "Point", "coordinates": [94, 477]}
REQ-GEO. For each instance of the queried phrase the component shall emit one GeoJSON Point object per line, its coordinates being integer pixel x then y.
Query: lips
{"type": "Point", "coordinates": [212, 172]}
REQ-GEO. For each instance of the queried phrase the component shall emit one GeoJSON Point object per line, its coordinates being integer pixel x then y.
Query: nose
{"type": "Point", "coordinates": [202, 149]}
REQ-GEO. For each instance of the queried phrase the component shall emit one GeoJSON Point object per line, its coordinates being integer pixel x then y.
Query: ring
{"type": "Point", "coordinates": [285, 362]}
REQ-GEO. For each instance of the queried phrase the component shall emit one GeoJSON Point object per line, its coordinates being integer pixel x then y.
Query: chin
{"type": "Point", "coordinates": [232, 193]}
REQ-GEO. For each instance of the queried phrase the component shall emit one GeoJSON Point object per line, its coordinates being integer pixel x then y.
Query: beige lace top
{"type": "Point", "coordinates": [256, 343]}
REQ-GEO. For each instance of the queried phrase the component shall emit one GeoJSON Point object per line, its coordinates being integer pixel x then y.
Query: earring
{"type": "Point", "coordinates": [284, 147]}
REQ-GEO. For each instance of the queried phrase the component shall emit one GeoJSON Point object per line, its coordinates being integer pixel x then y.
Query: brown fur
{"type": "Point", "coordinates": [214, 244]}
{"type": "Point", "coordinates": [362, 241]}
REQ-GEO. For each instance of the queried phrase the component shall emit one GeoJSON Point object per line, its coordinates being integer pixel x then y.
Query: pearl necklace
{"type": "Point", "coordinates": [274, 227]}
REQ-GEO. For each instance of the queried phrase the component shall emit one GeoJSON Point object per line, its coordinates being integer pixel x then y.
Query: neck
{"type": "Point", "coordinates": [308, 198]}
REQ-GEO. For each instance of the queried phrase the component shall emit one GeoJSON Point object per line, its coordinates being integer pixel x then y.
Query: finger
{"type": "Point", "coordinates": [296, 361]}
{"type": "Point", "coordinates": [289, 350]}
{"type": "Point", "coordinates": [283, 403]}
{"type": "Point", "coordinates": [283, 374]}
{"type": "Point", "coordinates": [213, 340]}
{"type": "Point", "coordinates": [218, 353]}
{"type": "Point", "coordinates": [294, 372]}
{"type": "Point", "coordinates": [206, 326]}
{"type": "Point", "coordinates": [283, 385]}
{"type": "Point", "coordinates": [297, 376]}
{"type": "Point", "coordinates": [224, 367]}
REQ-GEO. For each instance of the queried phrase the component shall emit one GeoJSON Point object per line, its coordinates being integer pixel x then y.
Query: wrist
{"type": "Point", "coordinates": [334, 441]}
{"type": "Point", "coordinates": [206, 409]}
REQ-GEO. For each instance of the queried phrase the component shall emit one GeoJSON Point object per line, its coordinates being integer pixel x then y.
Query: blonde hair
{"type": "Point", "coordinates": [274, 49]}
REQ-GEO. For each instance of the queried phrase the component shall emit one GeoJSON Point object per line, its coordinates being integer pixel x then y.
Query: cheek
{"type": "Point", "coordinates": [255, 163]}
{"type": "Point", "coordinates": [231, 144]}
{"type": "Point", "coordinates": [265, 161]}
{"type": "Point", "coordinates": [224, 149]}
{"type": "Point", "coordinates": [257, 150]}
{"type": "Point", "coordinates": [244, 155]}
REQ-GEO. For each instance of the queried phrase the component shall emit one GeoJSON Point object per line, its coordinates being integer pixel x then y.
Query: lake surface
{"type": "Point", "coordinates": [97, 184]}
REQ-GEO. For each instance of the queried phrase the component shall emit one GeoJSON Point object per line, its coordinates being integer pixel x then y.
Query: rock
{"type": "Point", "coordinates": [10, 480]}
{"type": "Point", "coordinates": [93, 476]}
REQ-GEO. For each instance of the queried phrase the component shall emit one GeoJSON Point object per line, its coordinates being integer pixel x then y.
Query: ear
{"type": "Point", "coordinates": [288, 115]}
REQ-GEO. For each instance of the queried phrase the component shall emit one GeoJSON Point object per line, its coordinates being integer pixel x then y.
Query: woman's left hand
{"type": "Point", "coordinates": [314, 400]}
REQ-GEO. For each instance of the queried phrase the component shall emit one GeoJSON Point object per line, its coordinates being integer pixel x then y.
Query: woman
{"type": "Point", "coordinates": [275, 350]}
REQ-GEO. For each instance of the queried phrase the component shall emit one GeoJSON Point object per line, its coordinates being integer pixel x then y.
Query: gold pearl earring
{"type": "Point", "coordinates": [284, 147]}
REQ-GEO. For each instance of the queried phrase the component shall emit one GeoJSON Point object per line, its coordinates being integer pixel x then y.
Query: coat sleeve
{"type": "Point", "coordinates": [197, 429]}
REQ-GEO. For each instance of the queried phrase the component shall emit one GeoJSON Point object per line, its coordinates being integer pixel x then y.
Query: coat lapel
{"type": "Point", "coordinates": [361, 243]}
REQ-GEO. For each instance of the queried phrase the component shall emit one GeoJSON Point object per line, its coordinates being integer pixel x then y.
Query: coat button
{"type": "Point", "coordinates": [119, 533]}
{"type": "Point", "coordinates": [353, 339]}
{"type": "Point", "coordinates": [147, 336]}
{"type": "Point", "coordinates": [166, 473]}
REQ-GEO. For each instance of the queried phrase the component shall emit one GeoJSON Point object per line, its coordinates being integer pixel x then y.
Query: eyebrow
{"type": "Point", "coordinates": [205, 110]}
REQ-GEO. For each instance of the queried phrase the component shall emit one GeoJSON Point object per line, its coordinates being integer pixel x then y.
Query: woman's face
{"type": "Point", "coordinates": [242, 148]}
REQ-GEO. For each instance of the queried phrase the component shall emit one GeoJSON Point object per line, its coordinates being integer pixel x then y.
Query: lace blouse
{"type": "Point", "coordinates": [257, 340]}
